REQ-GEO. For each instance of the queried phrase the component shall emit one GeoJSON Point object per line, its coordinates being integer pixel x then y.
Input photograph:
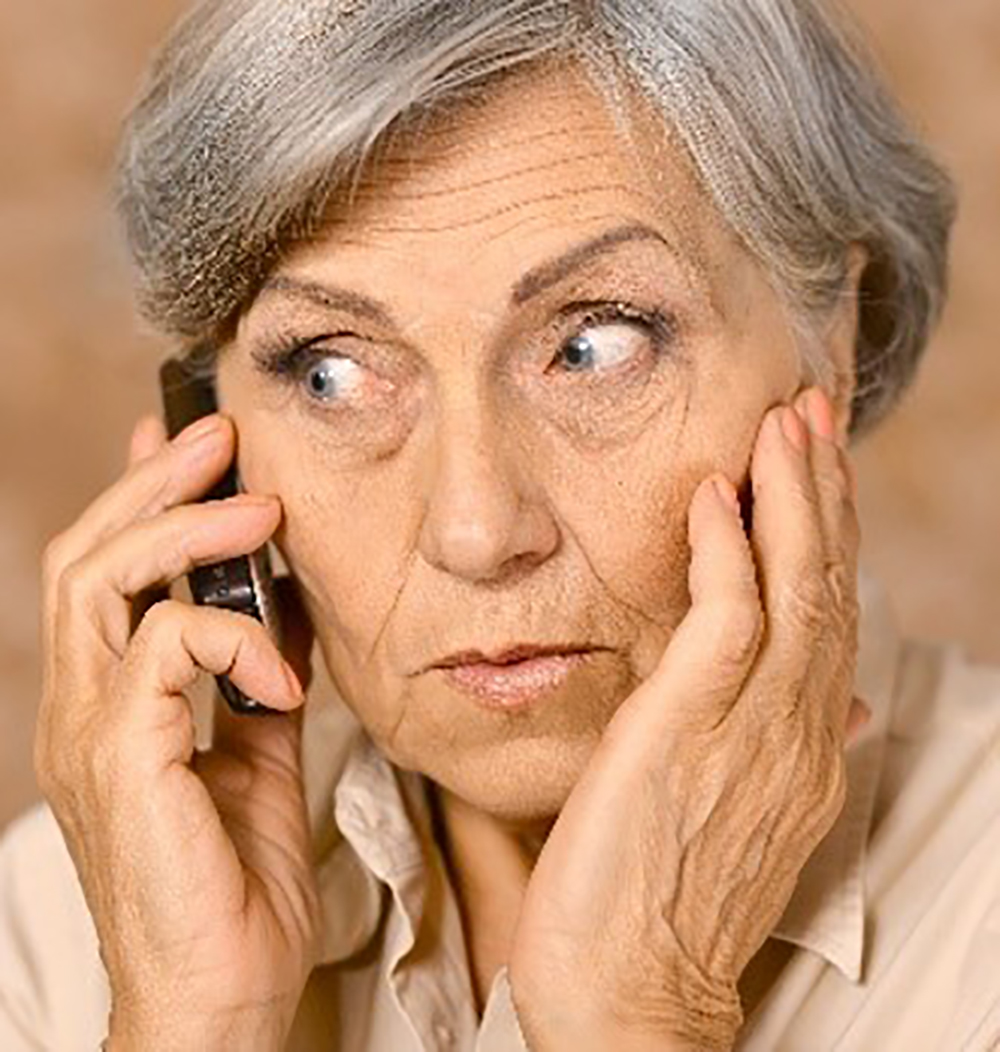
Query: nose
{"type": "Point", "coordinates": [486, 517]}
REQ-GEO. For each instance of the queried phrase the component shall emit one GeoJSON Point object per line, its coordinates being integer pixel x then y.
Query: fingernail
{"type": "Point", "coordinates": [252, 500]}
{"type": "Point", "coordinates": [726, 493]}
{"type": "Point", "coordinates": [294, 686]}
{"type": "Point", "coordinates": [199, 431]}
{"type": "Point", "coordinates": [819, 413]}
{"type": "Point", "coordinates": [794, 430]}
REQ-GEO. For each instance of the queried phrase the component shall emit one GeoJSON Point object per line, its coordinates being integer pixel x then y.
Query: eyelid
{"type": "Point", "coordinates": [284, 354]}
{"type": "Point", "coordinates": [659, 321]}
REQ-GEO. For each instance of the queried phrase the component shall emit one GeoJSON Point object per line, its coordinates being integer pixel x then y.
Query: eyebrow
{"type": "Point", "coordinates": [532, 284]}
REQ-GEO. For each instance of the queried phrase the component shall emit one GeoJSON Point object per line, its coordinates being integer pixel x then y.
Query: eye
{"type": "Point", "coordinates": [325, 378]}
{"type": "Point", "coordinates": [332, 378]}
{"type": "Point", "coordinates": [603, 347]}
{"type": "Point", "coordinates": [612, 335]}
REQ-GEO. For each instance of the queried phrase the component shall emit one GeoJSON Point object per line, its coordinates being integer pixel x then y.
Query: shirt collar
{"type": "Point", "coordinates": [371, 821]}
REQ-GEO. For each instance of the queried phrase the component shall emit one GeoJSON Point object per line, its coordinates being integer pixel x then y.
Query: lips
{"type": "Point", "coordinates": [509, 655]}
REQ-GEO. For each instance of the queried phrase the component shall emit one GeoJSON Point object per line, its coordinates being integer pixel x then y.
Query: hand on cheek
{"type": "Point", "coordinates": [720, 774]}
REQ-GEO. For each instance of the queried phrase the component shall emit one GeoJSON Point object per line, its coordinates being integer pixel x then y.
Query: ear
{"type": "Point", "coordinates": [842, 339]}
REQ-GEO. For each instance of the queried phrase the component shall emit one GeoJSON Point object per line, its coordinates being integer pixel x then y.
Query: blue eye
{"type": "Point", "coordinates": [604, 348]}
{"type": "Point", "coordinates": [604, 337]}
{"type": "Point", "coordinates": [331, 378]}
{"type": "Point", "coordinates": [612, 335]}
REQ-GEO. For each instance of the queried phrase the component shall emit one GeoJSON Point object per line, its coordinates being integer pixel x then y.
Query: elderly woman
{"type": "Point", "coordinates": [540, 330]}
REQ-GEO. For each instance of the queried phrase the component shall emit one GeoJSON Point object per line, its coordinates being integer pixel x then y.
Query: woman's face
{"type": "Point", "coordinates": [476, 448]}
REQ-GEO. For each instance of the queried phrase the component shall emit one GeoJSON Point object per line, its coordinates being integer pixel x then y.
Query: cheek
{"type": "Point", "coordinates": [345, 549]}
{"type": "Point", "coordinates": [626, 516]}
{"type": "Point", "coordinates": [630, 517]}
{"type": "Point", "coordinates": [349, 562]}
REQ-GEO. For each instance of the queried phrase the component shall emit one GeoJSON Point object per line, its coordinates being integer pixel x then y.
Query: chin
{"type": "Point", "coordinates": [519, 782]}
{"type": "Point", "coordinates": [519, 770]}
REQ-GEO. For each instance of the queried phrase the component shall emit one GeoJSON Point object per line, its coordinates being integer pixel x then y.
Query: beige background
{"type": "Point", "coordinates": [77, 371]}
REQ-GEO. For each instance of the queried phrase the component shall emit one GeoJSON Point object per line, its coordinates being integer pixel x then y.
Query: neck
{"type": "Point", "coordinates": [489, 862]}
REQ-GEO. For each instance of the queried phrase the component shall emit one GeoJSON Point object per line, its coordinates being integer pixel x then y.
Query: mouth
{"type": "Point", "coordinates": [515, 677]}
{"type": "Point", "coordinates": [510, 655]}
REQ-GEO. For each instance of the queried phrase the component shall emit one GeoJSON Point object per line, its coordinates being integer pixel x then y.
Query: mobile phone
{"type": "Point", "coordinates": [244, 584]}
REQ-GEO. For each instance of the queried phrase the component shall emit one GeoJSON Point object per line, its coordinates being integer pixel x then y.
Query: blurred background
{"type": "Point", "coordinates": [78, 369]}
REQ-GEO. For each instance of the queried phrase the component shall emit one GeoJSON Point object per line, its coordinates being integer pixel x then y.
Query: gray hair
{"type": "Point", "coordinates": [258, 113]}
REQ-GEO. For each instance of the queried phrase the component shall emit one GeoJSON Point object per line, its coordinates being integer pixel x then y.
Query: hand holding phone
{"type": "Point", "coordinates": [165, 836]}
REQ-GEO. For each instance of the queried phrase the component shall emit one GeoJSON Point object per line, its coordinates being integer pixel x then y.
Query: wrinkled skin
{"type": "Point", "coordinates": [453, 481]}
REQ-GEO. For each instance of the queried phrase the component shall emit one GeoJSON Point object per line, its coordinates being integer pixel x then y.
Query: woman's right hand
{"type": "Point", "coordinates": [196, 866]}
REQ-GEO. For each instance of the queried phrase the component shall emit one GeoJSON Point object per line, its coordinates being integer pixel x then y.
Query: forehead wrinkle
{"type": "Point", "coordinates": [517, 206]}
{"type": "Point", "coordinates": [465, 186]}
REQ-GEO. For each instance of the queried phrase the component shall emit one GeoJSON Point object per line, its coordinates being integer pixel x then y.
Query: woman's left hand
{"type": "Point", "coordinates": [679, 848]}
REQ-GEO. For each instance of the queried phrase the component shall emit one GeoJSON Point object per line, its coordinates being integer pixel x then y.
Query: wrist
{"type": "Point", "coordinates": [180, 1034]}
{"type": "Point", "coordinates": [550, 1027]}
{"type": "Point", "coordinates": [571, 1036]}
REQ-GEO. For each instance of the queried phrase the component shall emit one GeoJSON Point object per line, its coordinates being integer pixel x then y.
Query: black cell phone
{"type": "Point", "coordinates": [244, 584]}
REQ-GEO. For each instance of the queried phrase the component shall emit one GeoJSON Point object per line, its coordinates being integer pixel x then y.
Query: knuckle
{"type": "Point", "coordinates": [841, 587]}
{"type": "Point", "coordinates": [55, 557]}
{"type": "Point", "coordinates": [740, 626]}
{"type": "Point", "coordinates": [59, 557]}
{"type": "Point", "coordinates": [74, 585]}
{"type": "Point", "coordinates": [830, 491]}
{"type": "Point", "coordinates": [838, 582]}
{"type": "Point", "coordinates": [160, 623]}
{"type": "Point", "coordinates": [808, 605]}
{"type": "Point", "coordinates": [161, 620]}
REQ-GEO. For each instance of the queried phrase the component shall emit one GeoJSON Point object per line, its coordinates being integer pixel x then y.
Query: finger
{"type": "Point", "coordinates": [816, 412]}
{"type": "Point", "coordinates": [789, 547]}
{"type": "Point", "coordinates": [832, 476]}
{"type": "Point", "coordinates": [850, 526]}
{"type": "Point", "coordinates": [183, 470]}
{"type": "Point", "coordinates": [175, 645]}
{"type": "Point", "coordinates": [713, 650]}
{"type": "Point", "coordinates": [847, 600]}
{"type": "Point", "coordinates": [94, 602]}
{"type": "Point", "coordinates": [148, 438]}
{"type": "Point", "coordinates": [835, 487]}
{"type": "Point", "coordinates": [143, 603]}
{"type": "Point", "coordinates": [245, 735]}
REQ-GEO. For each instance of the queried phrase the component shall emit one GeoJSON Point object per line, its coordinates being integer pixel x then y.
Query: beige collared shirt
{"type": "Point", "coordinates": [895, 920]}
